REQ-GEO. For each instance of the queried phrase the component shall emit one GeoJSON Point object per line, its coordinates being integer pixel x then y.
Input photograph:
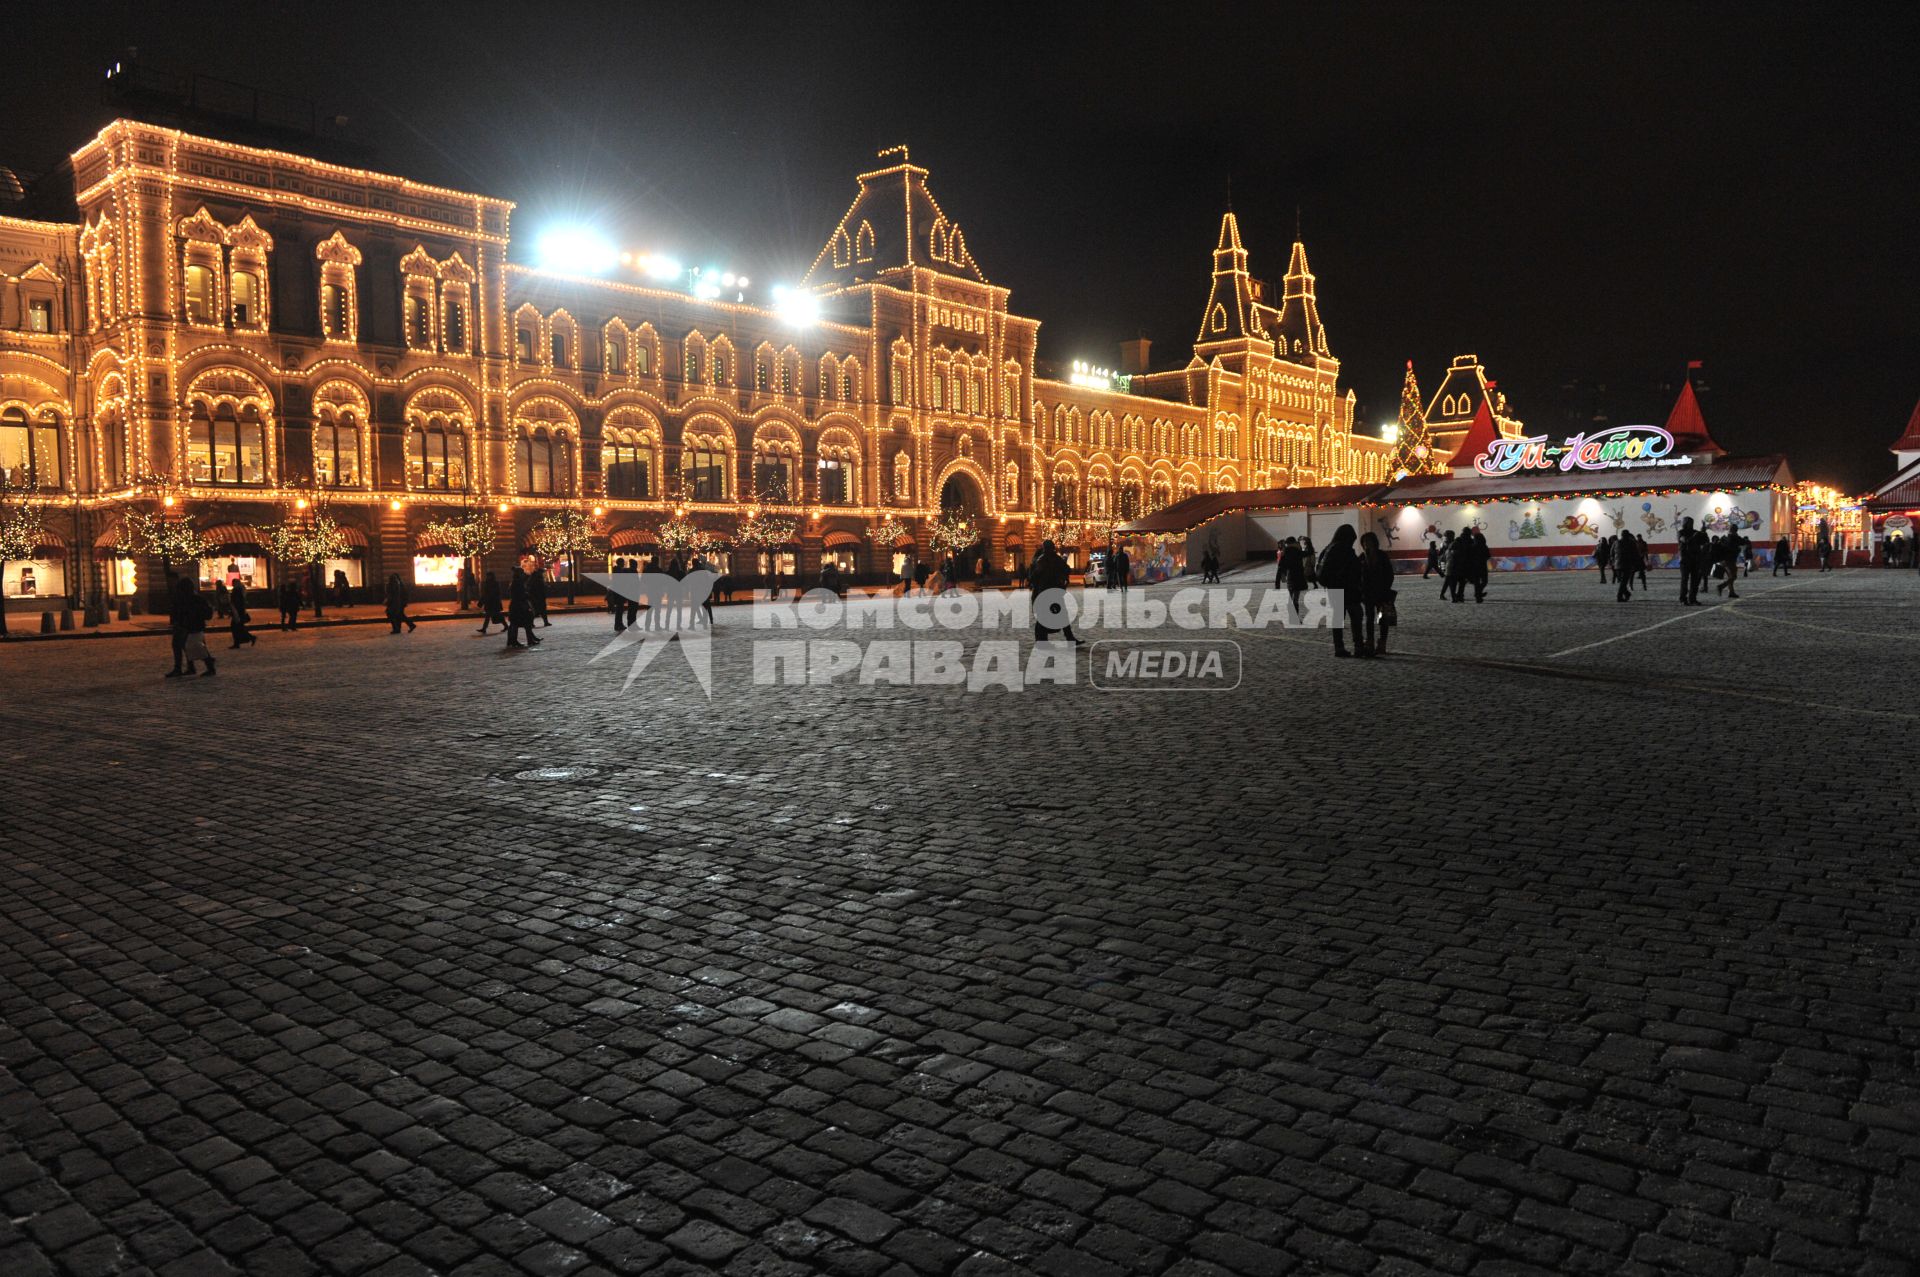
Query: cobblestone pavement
{"type": "Point", "coordinates": [1508, 954]}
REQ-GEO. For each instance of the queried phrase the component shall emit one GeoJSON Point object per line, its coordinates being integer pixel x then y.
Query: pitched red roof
{"type": "Point", "coordinates": [1910, 441]}
{"type": "Point", "coordinates": [1479, 435]}
{"type": "Point", "coordinates": [1686, 424]}
{"type": "Point", "coordinates": [1190, 512]}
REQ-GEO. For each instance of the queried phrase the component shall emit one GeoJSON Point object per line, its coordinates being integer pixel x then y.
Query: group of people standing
{"type": "Point", "coordinates": [1364, 577]}
{"type": "Point", "coordinates": [663, 612]}
{"type": "Point", "coordinates": [1119, 568]}
{"type": "Point", "coordinates": [1461, 560]}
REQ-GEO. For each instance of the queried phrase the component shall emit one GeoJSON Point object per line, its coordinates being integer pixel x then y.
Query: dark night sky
{"type": "Point", "coordinates": [1585, 196]}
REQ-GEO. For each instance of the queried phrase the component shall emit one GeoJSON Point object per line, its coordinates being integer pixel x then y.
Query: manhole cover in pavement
{"type": "Point", "coordinates": [555, 775]}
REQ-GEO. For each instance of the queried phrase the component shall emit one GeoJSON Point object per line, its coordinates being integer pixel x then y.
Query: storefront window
{"type": "Point", "coordinates": [842, 558]}
{"type": "Point", "coordinates": [248, 570]}
{"type": "Point", "coordinates": [35, 579]}
{"type": "Point", "coordinates": [436, 569]}
{"type": "Point", "coordinates": [123, 578]}
{"type": "Point", "coordinates": [226, 448]}
{"type": "Point", "coordinates": [355, 572]}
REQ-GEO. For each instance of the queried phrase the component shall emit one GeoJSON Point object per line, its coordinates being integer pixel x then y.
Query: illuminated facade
{"type": "Point", "coordinates": [230, 329]}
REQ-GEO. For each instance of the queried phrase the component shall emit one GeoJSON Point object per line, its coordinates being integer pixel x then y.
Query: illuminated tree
{"type": "Point", "coordinates": [470, 535]}
{"type": "Point", "coordinates": [953, 532]}
{"type": "Point", "coordinates": [567, 534]}
{"type": "Point", "coordinates": [22, 532]}
{"type": "Point", "coordinates": [306, 537]}
{"type": "Point", "coordinates": [1413, 446]}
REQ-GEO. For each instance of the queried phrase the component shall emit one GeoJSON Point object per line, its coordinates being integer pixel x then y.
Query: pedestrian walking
{"type": "Point", "coordinates": [1339, 570]}
{"type": "Point", "coordinates": [1447, 547]}
{"type": "Point", "coordinates": [1377, 594]}
{"type": "Point", "coordinates": [222, 602]}
{"type": "Point", "coordinates": [466, 587]}
{"type": "Point", "coordinates": [187, 616]}
{"type": "Point", "coordinates": [1291, 573]}
{"type": "Point", "coordinates": [1729, 564]}
{"type": "Point", "coordinates": [520, 610]}
{"type": "Point", "coordinates": [1482, 563]}
{"type": "Point", "coordinates": [1782, 557]}
{"type": "Point", "coordinates": [1120, 568]}
{"type": "Point", "coordinates": [1049, 572]}
{"type": "Point", "coordinates": [290, 603]}
{"type": "Point", "coordinates": [1626, 562]}
{"type": "Point", "coordinates": [342, 592]}
{"type": "Point", "coordinates": [1603, 555]}
{"type": "Point", "coordinates": [617, 605]}
{"type": "Point", "coordinates": [490, 612]}
{"type": "Point", "coordinates": [1433, 561]}
{"type": "Point", "coordinates": [537, 593]}
{"type": "Point", "coordinates": [239, 616]}
{"type": "Point", "coordinates": [1823, 545]}
{"type": "Point", "coordinates": [396, 601]}
{"type": "Point", "coordinates": [1641, 557]}
{"type": "Point", "coordinates": [1311, 559]}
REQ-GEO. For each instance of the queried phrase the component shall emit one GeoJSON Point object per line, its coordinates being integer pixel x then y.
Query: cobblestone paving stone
{"type": "Point", "coordinates": [391, 956]}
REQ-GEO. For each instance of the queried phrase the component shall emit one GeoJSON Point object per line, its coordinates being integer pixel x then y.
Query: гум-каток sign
{"type": "Point", "coordinates": [1619, 448]}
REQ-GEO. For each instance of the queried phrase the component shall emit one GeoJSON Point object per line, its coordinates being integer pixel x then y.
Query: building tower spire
{"type": "Point", "coordinates": [1229, 315]}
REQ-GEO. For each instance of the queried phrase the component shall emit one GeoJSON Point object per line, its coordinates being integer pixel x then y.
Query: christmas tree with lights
{"type": "Point", "coordinates": [1413, 446]}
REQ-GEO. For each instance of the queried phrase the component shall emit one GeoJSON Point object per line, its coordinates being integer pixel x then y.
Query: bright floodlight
{"type": "Point", "coordinates": [577, 250]}
{"type": "Point", "coordinates": [662, 267]}
{"type": "Point", "coordinates": [797, 308]}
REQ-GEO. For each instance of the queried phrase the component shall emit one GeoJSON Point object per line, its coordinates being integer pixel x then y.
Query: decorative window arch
{"type": "Point", "coordinates": [863, 243]}
{"type": "Point", "coordinates": [789, 372]}
{"type": "Point", "coordinates": [615, 342]}
{"type": "Point", "coordinates": [545, 446]}
{"type": "Point", "coordinates": [849, 385]}
{"type": "Point", "coordinates": [937, 239]}
{"type": "Point", "coordinates": [31, 445]}
{"type": "Point", "coordinates": [526, 335]}
{"type": "Point", "coordinates": [229, 415]}
{"type": "Point", "coordinates": [900, 374]}
{"type": "Point", "coordinates": [339, 299]}
{"type": "Point", "coordinates": [419, 285]}
{"type": "Point", "coordinates": [706, 461]}
{"type": "Point", "coordinates": [247, 290]}
{"type": "Point", "coordinates": [340, 436]}
{"type": "Point", "coordinates": [202, 281]}
{"type": "Point", "coordinates": [563, 341]}
{"type": "Point", "coordinates": [721, 361]}
{"type": "Point", "coordinates": [439, 424]}
{"type": "Point", "coordinates": [1010, 484]}
{"type": "Point", "coordinates": [776, 464]}
{"type": "Point", "coordinates": [97, 245]}
{"type": "Point", "coordinates": [629, 455]}
{"type": "Point", "coordinates": [838, 465]}
{"type": "Point", "coordinates": [456, 305]}
{"type": "Point", "coordinates": [763, 368]}
{"type": "Point", "coordinates": [646, 351]}
{"type": "Point", "coordinates": [830, 377]}
{"type": "Point", "coordinates": [842, 248]}
{"type": "Point", "coordinates": [693, 366]}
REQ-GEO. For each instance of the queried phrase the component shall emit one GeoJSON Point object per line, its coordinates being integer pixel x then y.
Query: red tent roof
{"type": "Point", "coordinates": [1687, 426]}
{"type": "Point", "coordinates": [1479, 435]}
{"type": "Point", "coordinates": [1910, 441]}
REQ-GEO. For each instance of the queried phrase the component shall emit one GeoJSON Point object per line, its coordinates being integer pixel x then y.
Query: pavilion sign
{"type": "Point", "coordinates": [1620, 448]}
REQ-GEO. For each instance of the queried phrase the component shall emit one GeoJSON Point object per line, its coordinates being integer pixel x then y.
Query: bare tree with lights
{"type": "Point", "coordinates": [306, 537]}
{"type": "Point", "coordinates": [568, 534]}
{"type": "Point", "coordinates": [469, 534]}
{"type": "Point", "coordinates": [23, 530]}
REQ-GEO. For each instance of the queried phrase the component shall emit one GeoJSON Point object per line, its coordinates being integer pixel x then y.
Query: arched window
{"type": "Point", "coordinates": [536, 460]}
{"type": "Point", "coordinates": [762, 372]}
{"type": "Point", "coordinates": [437, 456]}
{"type": "Point", "coordinates": [225, 445]}
{"type": "Point", "coordinates": [30, 451]}
{"type": "Point", "coordinates": [199, 292]}
{"type": "Point", "coordinates": [244, 292]}
{"type": "Point", "coordinates": [626, 463]}
{"type": "Point", "coordinates": [706, 470]}
{"type": "Point", "coordinates": [336, 451]}
{"type": "Point", "coordinates": [616, 358]}
{"type": "Point", "coordinates": [722, 373]}
{"type": "Point", "coordinates": [863, 243]}
{"type": "Point", "coordinates": [939, 387]}
{"type": "Point", "coordinates": [846, 384]}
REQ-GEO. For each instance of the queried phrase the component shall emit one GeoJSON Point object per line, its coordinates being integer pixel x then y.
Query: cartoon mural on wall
{"type": "Point", "coordinates": [1653, 521]}
{"type": "Point", "coordinates": [1528, 527]}
{"type": "Point", "coordinates": [1618, 517]}
{"type": "Point", "coordinates": [1580, 525]}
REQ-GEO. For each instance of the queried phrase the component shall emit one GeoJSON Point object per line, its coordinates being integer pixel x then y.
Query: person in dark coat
{"type": "Point", "coordinates": [1460, 569]}
{"type": "Point", "coordinates": [222, 602]}
{"type": "Point", "coordinates": [187, 617]}
{"type": "Point", "coordinates": [1310, 559]}
{"type": "Point", "coordinates": [1823, 545]}
{"type": "Point", "coordinates": [1689, 562]}
{"type": "Point", "coordinates": [1782, 557]}
{"type": "Point", "coordinates": [1482, 563]}
{"type": "Point", "coordinates": [1048, 572]}
{"type": "Point", "coordinates": [290, 603]}
{"type": "Point", "coordinates": [1291, 573]}
{"type": "Point", "coordinates": [239, 615]}
{"type": "Point", "coordinates": [466, 587]}
{"type": "Point", "coordinates": [1433, 561]}
{"type": "Point", "coordinates": [1376, 594]}
{"type": "Point", "coordinates": [1643, 556]}
{"type": "Point", "coordinates": [615, 603]}
{"type": "Point", "coordinates": [520, 610]}
{"type": "Point", "coordinates": [490, 613]}
{"type": "Point", "coordinates": [1119, 568]}
{"type": "Point", "coordinates": [1448, 550]}
{"type": "Point", "coordinates": [1603, 555]}
{"type": "Point", "coordinates": [1730, 549]}
{"type": "Point", "coordinates": [1626, 559]}
{"type": "Point", "coordinates": [537, 594]}
{"type": "Point", "coordinates": [1339, 569]}
{"type": "Point", "coordinates": [396, 601]}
